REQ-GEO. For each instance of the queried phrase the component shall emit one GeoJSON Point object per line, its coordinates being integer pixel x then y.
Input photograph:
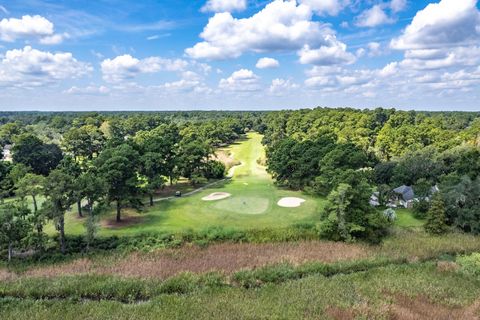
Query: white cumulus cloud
{"type": "Point", "coordinates": [29, 27]}
{"type": "Point", "coordinates": [88, 90]}
{"type": "Point", "coordinates": [280, 87]}
{"type": "Point", "coordinates": [29, 67]}
{"type": "Point", "coordinates": [241, 80]}
{"type": "Point", "coordinates": [331, 7]}
{"type": "Point", "coordinates": [332, 54]}
{"type": "Point", "coordinates": [447, 23]}
{"type": "Point", "coordinates": [224, 5]}
{"type": "Point", "coordinates": [267, 63]}
{"type": "Point", "coordinates": [398, 5]}
{"type": "Point", "coordinates": [126, 67]}
{"type": "Point", "coordinates": [283, 25]}
{"type": "Point", "coordinates": [373, 17]}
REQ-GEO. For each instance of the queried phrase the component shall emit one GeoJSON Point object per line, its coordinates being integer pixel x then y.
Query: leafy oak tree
{"type": "Point", "coordinates": [14, 225]}
{"type": "Point", "coordinates": [86, 141]}
{"type": "Point", "coordinates": [31, 185]}
{"type": "Point", "coordinates": [59, 191]}
{"type": "Point", "coordinates": [118, 167]}
{"type": "Point", "coordinates": [32, 152]}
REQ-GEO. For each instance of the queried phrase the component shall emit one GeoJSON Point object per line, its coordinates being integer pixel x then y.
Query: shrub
{"type": "Point", "coordinates": [420, 209]}
{"type": "Point", "coordinates": [390, 214]}
{"type": "Point", "coordinates": [198, 179]}
{"type": "Point", "coordinates": [470, 264]}
{"type": "Point", "coordinates": [214, 170]}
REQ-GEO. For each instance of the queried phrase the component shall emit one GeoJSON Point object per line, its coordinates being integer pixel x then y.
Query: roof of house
{"type": "Point", "coordinates": [406, 192]}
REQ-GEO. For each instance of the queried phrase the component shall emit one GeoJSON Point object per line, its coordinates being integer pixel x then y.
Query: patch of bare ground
{"type": "Point", "coordinates": [226, 258]}
{"type": "Point", "coordinates": [447, 266]}
{"type": "Point", "coordinates": [406, 308]}
{"type": "Point", "coordinates": [419, 308]}
{"type": "Point", "coordinates": [126, 221]}
{"type": "Point", "coordinates": [5, 275]}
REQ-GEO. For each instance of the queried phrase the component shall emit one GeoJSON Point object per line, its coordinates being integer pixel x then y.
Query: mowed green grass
{"type": "Point", "coordinates": [406, 219]}
{"type": "Point", "coordinates": [253, 204]}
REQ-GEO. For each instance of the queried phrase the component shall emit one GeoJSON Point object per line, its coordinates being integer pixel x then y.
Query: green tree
{"type": "Point", "coordinates": [8, 131]}
{"type": "Point", "coordinates": [436, 217]}
{"type": "Point", "coordinates": [462, 204]}
{"type": "Point", "coordinates": [59, 191]}
{"type": "Point", "coordinates": [38, 220]}
{"type": "Point", "coordinates": [32, 152]}
{"type": "Point", "coordinates": [193, 157]}
{"type": "Point", "coordinates": [73, 168]}
{"type": "Point", "coordinates": [163, 141]}
{"type": "Point", "coordinates": [93, 188]}
{"type": "Point", "coordinates": [118, 168]}
{"type": "Point", "coordinates": [349, 216]}
{"type": "Point", "coordinates": [86, 141]}
{"type": "Point", "coordinates": [6, 182]}
{"type": "Point", "coordinates": [31, 185]}
{"type": "Point", "coordinates": [339, 201]}
{"type": "Point", "coordinates": [385, 193]}
{"type": "Point", "coordinates": [14, 226]}
{"type": "Point", "coordinates": [18, 171]}
{"type": "Point", "coordinates": [151, 168]}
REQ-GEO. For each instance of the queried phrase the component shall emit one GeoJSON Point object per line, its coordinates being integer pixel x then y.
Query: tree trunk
{"type": "Point", "coordinates": [61, 229]}
{"type": "Point", "coordinates": [10, 251]}
{"type": "Point", "coordinates": [119, 209]}
{"type": "Point", "coordinates": [79, 206]}
{"type": "Point", "coordinates": [171, 180]}
{"type": "Point", "coordinates": [35, 207]}
{"type": "Point", "coordinates": [39, 246]}
{"type": "Point", "coordinates": [90, 216]}
{"type": "Point", "coordinates": [151, 200]}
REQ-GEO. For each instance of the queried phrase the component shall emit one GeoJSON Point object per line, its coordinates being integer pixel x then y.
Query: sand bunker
{"type": "Point", "coordinates": [290, 202]}
{"type": "Point", "coordinates": [216, 196]}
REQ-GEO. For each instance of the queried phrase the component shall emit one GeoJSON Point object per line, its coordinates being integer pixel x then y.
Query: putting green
{"type": "Point", "coordinates": [243, 205]}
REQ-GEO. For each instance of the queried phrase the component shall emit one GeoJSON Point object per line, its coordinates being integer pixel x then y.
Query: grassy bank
{"type": "Point", "coordinates": [385, 292]}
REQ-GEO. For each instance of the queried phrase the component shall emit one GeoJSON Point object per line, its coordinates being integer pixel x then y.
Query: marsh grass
{"type": "Point", "coordinates": [408, 291]}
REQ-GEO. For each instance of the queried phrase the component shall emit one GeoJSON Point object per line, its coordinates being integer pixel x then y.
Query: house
{"type": "Point", "coordinates": [404, 196]}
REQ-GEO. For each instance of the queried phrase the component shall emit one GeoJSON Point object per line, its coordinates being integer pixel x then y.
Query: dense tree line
{"type": "Point", "coordinates": [94, 160]}
{"type": "Point", "coordinates": [336, 152]}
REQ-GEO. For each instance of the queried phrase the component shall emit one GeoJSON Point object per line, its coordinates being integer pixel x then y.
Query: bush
{"type": "Point", "coordinates": [390, 214]}
{"type": "Point", "coordinates": [470, 265]}
{"type": "Point", "coordinates": [214, 170]}
{"type": "Point", "coordinates": [197, 179]}
{"type": "Point", "coordinates": [420, 209]}
{"type": "Point", "coordinates": [283, 272]}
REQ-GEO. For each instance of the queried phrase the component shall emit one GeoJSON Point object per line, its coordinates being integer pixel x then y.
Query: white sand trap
{"type": "Point", "coordinates": [290, 202]}
{"type": "Point", "coordinates": [216, 196]}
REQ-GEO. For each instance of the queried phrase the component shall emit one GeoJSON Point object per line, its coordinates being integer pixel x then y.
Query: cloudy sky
{"type": "Point", "coordinates": [239, 54]}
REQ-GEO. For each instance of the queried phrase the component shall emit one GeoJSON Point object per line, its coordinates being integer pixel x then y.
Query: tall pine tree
{"type": "Point", "coordinates": [436, 217]}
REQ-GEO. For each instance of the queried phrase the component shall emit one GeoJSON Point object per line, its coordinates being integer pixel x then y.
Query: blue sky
{"type": "Point", "coordinates": [239, 54]}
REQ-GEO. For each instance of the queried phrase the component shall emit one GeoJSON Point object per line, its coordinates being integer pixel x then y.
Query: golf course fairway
{"type": "Point", "coordinates": [252, 204]}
